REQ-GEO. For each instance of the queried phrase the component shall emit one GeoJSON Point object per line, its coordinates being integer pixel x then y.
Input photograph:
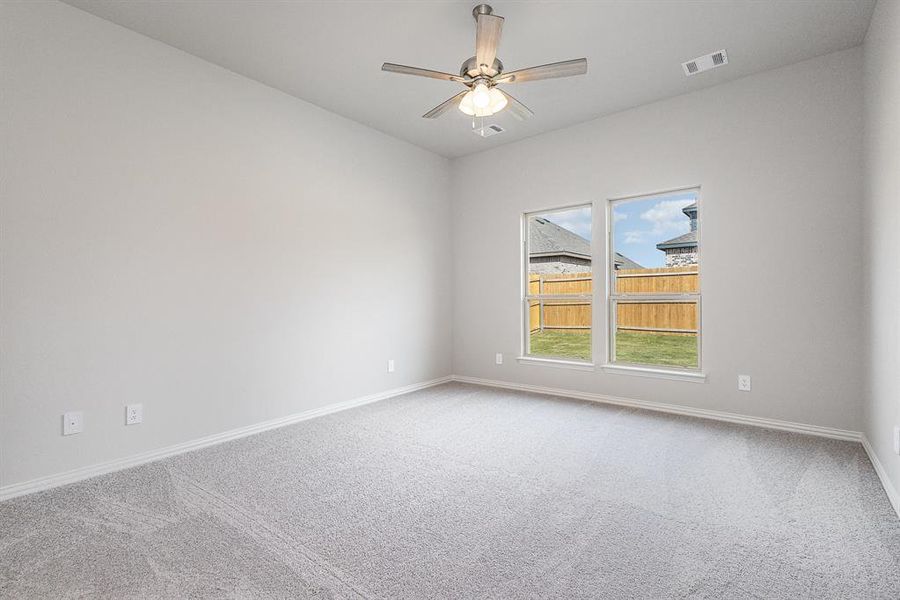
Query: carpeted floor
{"type": "Point", "coordinates": [467, 492]}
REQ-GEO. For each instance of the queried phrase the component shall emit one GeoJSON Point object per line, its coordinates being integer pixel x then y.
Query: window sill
{"type": "Point", "coordinates": [693, 376]}
{"type": "Point", "coordinates": [555, 362]}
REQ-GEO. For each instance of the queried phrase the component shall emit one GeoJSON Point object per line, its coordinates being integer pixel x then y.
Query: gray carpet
{"type": "Point", "coordinates": [467, 492]}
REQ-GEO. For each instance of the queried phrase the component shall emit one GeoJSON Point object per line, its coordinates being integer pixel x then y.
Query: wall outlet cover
{"type": "Point", "coordinates": [744, 383]}
{"type": "Point", "coordinates": [499, 358]}
{"type": "Point", "coordinates": [73, 422]}
{"type": "Point", "coordinates": [134, 414]}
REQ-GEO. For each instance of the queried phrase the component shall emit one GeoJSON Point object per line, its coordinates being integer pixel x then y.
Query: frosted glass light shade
{"type": "Point", "coordinates": [496, 103]}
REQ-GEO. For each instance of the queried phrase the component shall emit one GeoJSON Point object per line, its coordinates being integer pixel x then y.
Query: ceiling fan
{"type": "Point", "coordinates": [483, 72]}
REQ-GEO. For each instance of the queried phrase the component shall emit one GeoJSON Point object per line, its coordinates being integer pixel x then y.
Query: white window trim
{"type": "Point", "coordinates": [525, 328]}
{"type": "Point", "coordinates": [644, 371]}
{"type": "Point", "coordinates": [556, 362]}
{"type": "Point", "coordinates": [655, 371]}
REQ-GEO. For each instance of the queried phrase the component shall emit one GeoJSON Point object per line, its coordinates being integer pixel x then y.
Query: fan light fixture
{"type": "Point", "coordinates": [482, 101]}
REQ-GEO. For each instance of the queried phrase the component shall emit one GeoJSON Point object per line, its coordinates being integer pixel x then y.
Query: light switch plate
{"type": "Point", "coordinates": [391, 366]}
{"type": "Point", "coordinates": [499, 358]}
{"type": "Point", "coordinates": [73, 422]}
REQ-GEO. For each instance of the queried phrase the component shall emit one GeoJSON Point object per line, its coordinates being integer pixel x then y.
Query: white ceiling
{"type": "Point", "coordinates": [330, 53]}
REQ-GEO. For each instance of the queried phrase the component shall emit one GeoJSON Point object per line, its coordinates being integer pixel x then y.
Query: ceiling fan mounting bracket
{"type": "Point", "coordinates": [482, 9]}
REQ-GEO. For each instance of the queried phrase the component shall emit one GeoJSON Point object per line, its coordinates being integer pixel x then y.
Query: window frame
{"type": "Point", "coordinates": [525, 328]}
{"type": "Point", "coordinates": [613, 299]}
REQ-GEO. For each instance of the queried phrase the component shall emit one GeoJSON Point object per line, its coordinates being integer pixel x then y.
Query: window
{"type": "Point", "coordinates": [654, 291]}
{"type": "Point", "coordinates": [558, 284]}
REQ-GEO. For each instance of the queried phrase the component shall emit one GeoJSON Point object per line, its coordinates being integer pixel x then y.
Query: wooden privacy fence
{"type": "Point", "coordinates": [664, 280]}
{"type": "Point", "coordinates": [671, 317]}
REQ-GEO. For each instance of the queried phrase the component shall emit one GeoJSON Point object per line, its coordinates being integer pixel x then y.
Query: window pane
{"type": "Point", "coordinates": [559, 252]}
{"type": "Point", "coordinates": [656, 247]}
{"type": "Point", "coordinates": [657, 333]}
{"type": "Point", "coordinates": [559, 267]}
{"type": "Point", "coordinates": [560, 328]}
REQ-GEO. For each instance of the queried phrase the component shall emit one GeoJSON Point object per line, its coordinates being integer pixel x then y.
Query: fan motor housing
{"type": "Point", "coordinates": [470, 68]}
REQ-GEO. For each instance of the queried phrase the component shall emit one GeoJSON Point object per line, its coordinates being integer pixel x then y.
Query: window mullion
{"type": "Point", "coordinates": [653, 311]}
{"type": "Point", "coordinates": [692, 297]}
{"type": "Point", "coordinates": [560, 297]}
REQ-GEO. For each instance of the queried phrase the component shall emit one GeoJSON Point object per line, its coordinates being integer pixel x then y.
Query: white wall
{"type": "Point", "coordinates": [178, 235]}
{"type": "Point", "coordinates": [882, 232]}
{"type": "Point", "coordinates": [778, 156]}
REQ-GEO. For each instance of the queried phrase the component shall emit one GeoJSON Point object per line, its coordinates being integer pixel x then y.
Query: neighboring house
{"type": "Point", "coordinates": [554, 249]}
{"type": "Point", "coordinates": [682, 250]}
{"type": "Point", "coordinates": [623, 262]}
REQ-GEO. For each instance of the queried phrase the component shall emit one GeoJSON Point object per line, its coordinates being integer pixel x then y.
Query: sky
{"type": "Point", "coordinates": [638, 225]}
{"type": "Point", "coordinates": [574, 219]}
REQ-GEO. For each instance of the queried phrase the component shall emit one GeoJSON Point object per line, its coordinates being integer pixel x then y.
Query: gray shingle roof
{"type": "Point", "coordinates": [623, 262]}
{"type": "Point", "coordinates": [546, 237]}
{"type": "Point", "coordinates": [682, 241]}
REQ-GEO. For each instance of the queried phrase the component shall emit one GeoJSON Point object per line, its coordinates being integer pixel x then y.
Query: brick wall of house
{"type": "Point", "coordinates": [558, 267]}
{"type": "Point", "coordinates": [556, 264]}
{"type": "Point", "coordinates": [681, 257]}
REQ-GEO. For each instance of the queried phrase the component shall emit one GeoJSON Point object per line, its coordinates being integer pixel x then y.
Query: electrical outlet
{"type": "Point", "coordinates": [73, 422]}
{"type": "Point", "coordinates": [391, 366]}
{"type": "Point", "coordinates": [897, 440]}
{"type": "Point", "coordinates": [744, 383]}
{"type": "Point", "coordinates": [499, 359]}
{"type": "Point", "coordinates": [134, 414]}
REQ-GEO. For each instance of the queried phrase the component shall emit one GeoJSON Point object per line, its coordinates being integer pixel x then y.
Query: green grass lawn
{"type": "Point", "coordinates": [638, 348]}
{"type": "Point", "coordinates": [561, 344]}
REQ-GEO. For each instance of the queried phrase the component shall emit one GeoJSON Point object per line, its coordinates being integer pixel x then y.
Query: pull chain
{"type": "Point", "coordinates": [474, 121]}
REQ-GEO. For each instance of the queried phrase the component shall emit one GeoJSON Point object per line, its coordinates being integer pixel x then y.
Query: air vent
{"type": "Point", "coordinates": [705, 63]}
{"type": "Point", "coordinates": [488, 130]}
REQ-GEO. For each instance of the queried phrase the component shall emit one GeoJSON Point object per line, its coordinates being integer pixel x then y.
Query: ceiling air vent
{"type": "Point", "coordinates": [488, 130]}
{"type": "Point", "coordinates": [705, 63]}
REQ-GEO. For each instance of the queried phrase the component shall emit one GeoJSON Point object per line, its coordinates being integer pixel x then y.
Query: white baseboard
{"type": "Point", "coordinates": [889, 488]}
{"type": "Point", "coordinates": [818, 430]}
{"type": "Point", "coordinates": [52, 481]}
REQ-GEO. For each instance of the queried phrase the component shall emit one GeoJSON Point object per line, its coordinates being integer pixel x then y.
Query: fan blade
{"type": "Point", "coordinates": [487, 38]}
{"type": "Point", "coordinates": [516, 108]}
{"type": "Point", "coordinates": [404, 70]}
{"type": "Point", "coordinates": [566, 68]}
{"type": "Point", "coordinates": [444, 106]}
